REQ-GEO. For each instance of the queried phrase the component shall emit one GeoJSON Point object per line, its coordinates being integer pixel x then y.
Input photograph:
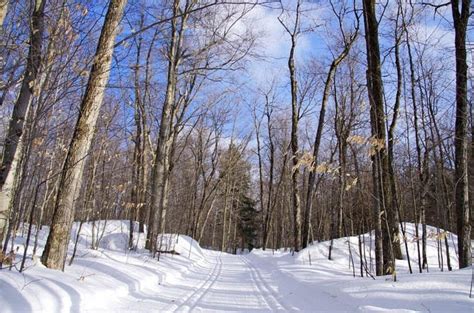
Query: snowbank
{"type": "Point", "coordinates": [183, 245]}
{"type": "Point", "coordinates": [111, 278]}
{"type": "Point", "coordinates": [98, 277]}
{"type": "Point", "coordinates": [348, 247]}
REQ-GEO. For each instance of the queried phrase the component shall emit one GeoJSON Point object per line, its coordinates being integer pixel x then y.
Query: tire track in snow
{"type": "Point", "coordinates": [193, 299]}
{"type": "Point", "coordinates": [269, 295]}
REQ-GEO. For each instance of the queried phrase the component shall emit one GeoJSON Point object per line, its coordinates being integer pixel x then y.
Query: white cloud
{"type": "Point", "coordinates": [273, 43]}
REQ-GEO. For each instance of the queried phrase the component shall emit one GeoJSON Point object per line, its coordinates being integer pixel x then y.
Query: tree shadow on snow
{"type": "Point", "coordinates": [17, 302]}
{"type": "Point", "coordinates": [133, 285]}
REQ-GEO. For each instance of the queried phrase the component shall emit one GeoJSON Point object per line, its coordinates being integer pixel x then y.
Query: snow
{"type": "Point", "coordinates": [114, 279]}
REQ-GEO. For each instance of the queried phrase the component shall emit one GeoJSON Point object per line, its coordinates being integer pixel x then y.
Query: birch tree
{"type": "Point", "coordinates": [14, 139]}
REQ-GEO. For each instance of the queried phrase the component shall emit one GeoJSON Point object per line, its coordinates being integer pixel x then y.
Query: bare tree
{"type": "Point", "coordinates": [12, 153]}
{"type": "Point", "coordinates": [348, 40]}
{"type": "Point", "coordinates": [380, 166]}
{"type": "Point", "coordinates": [160, 171]}
{"type": "Point", "coordinates": [55, 252]}
{"type": "Point", "coordinates": [461, 15]}
{"type": "Point", "coordinates": [137, 196]}
{"type": "Point", "coordinates": [294, 31]}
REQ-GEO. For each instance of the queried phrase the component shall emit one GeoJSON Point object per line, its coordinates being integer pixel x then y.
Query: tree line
{"type": "Point", "coordinates": [149, 112]}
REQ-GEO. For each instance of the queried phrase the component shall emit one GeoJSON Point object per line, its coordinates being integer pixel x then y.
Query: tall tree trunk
{"type": "Point", "coordinates": [55, 252]}
{"type": "Point", "coordinates": [460, 18]}
{"type": "Point", "coordinates": [271, 158]}
{"type": "Point", "coordinates": [257, 124]}
{"type": "Point", "coordinates": [135, 196]}
{"type": "Point", "coordinates": [160, 172]}
{"type": "Point", "coordinates": [14, 139]}
{"type": "Point", "coordinates": [294, 152]}
{"type": "Point", "coordinates": [445, 195]}
{"type": "Point", "coordinates": [348, 42]}
{"type": "Point", "coordinates": [471, 157]}
{"type": "Point", "coordinates": [224, 217]}
{"type": "Point", "coordinates": [145, 210]}
{"type": "Point", "coordinates": [342, 156]}
{"type": "Point", "coordinates": [382, 206]}
{"type": "Point", "coordinates": [317, 142]}
{"type": "Point", "coordinates": [295, 173]}
{"type": "Point", "coordinates": [426, 175]}
{"type": "Point", "coordinates": [394, 220]}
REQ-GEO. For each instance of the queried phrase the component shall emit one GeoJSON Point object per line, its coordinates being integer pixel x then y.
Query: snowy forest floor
{"type": "Point", "coordinates": [114, 279]}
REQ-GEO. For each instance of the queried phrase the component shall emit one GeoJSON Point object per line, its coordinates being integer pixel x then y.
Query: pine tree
{"type": "Point", "coordinates": [248, 223]}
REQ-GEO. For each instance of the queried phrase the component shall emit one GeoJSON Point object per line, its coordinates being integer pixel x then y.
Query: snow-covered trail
{"type": "Point", "coordinates": [274, 282]}
{"type": "Point", "coordinates": [223, 282]}
{"type": "Point", "coordinates": [115, 279]}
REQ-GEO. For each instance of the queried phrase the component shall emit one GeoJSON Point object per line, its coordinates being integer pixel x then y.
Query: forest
{"type": "Point", "coordinates": [239, 123]}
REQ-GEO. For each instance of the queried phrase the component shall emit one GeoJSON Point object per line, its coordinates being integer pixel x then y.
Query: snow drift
{"type": "Point", "coordinates": [112, 278]}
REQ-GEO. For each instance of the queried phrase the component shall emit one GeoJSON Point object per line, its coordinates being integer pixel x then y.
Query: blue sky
{"type": "Point", "coordinates": [274, 43]}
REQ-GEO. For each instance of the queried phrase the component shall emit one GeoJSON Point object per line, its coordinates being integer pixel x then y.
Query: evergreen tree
{"type": "Point", "coordinates": [248, 224]}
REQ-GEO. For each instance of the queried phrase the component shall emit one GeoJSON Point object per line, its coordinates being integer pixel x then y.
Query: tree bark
{"type": "Point", "coordinates": [460, 18]}
{"type": "Point", "coordinates": [135, 196]}
{"type": "Point", "coordinates": [294, 151]}
{"type": "Point", "coordinates": [271, 158]}
{"type": "Point", "coordinates": [317, 142]}
{"type": "Point", "coordinates": [395, 220]}
{"type": "Point", "coordinates": [3, 11]}
{"type": "Point", "coordinates": [54, 255]}
{"type": "Point", "coordinates": [380, 166]}
{"type": "Point", "coordinates": [160, 172]}
{"type": "Point", "coordinates": [257, 123]}
{"type": "Point", "coordinates": [12, 152]}
{"type": "Point", "coordinates": [295, 173]}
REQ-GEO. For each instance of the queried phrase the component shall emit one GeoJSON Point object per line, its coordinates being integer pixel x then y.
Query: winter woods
{"type": "Point", "coordinates": [241, 124]}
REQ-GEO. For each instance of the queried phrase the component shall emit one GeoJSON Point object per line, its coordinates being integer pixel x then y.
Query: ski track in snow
{"type": "Point", "coordinates": [113, 279]}
{"type": "Point", "coordinates": [222, 280]}
{"type": "Point", "coordinates": [269, 295]}
{"type": "Point", "coordinates": [193, 299]}
{"type": "Point", "coordinates": [229, 283]}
